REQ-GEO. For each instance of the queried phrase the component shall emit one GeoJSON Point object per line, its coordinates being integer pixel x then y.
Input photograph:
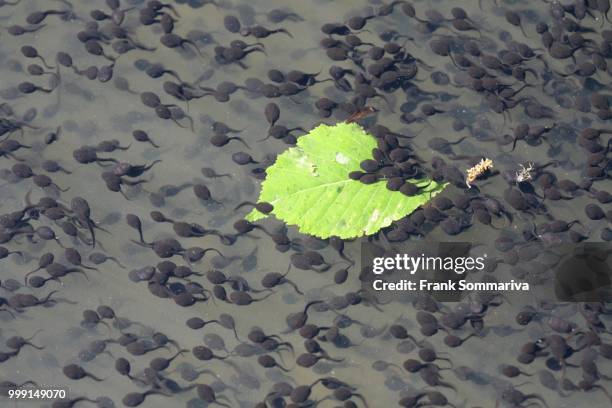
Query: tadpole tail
{"type": "Point", "coordinates": [142, 244]}
{"type": "Point", "coordinates": [294, 286]}
{"type": "Point", "coordinates": [335, 360]}
{"type": "Point", "coordinates": [48, 297]}
{"type": "Point", "coordinates": [458, 141]}
{"type": "Point", "coordinates": [215, 250]}
{"type": "Point", "coordinates": [241, 141]}
{"type": "Point", "coordinates": [90, 227]}
{"type": "Point", "coordinates": [93, 377]}
{"type": "Point", "coordinates": [243, 204]}
{"type": "Point", "coordinates": [284, 31]}
{"type": "Point", "coordinates": [81, 272]}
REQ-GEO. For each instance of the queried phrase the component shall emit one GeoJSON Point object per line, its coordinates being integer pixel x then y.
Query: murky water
{"type": "Point", "coordinates": [91, 111]}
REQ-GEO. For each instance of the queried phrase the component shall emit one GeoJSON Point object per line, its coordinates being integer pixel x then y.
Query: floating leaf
{"type": "Point", "coordinates": [308, 186]}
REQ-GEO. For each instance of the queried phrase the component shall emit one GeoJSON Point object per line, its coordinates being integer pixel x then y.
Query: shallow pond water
{"type": "Point", "coordinates": [89, 111]}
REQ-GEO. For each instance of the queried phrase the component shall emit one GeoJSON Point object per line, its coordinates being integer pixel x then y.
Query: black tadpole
{"type": "Point", "coordinates": [203, 353]}
{"type": "Point", "coordinates": [134, 399]}
{"type": "Point", "coordinates": [267, 361]}
{"type": "Point", "coordinates": [76, 372]}
{"type": "Point", "coordinates": [196, 323]}
{"type": "Point", "coordinates": [202, 192]}
{"type": "Point", "coordinates": [307, 360]}
{"type": "Point", "coordinates": [160, 363]}
{"type": "Point", "coordinates": [220, 140]}
{"type": "Point", "coordinates": [207, 393]}
{"type": "Point", "coordinates": [17, 342]}
{"type": "Point", "coordinates": [129, 170]}
{"type": "Point", "coordinates": [242, 298]}
{"type": "Point", "coordinates": [92, 318]}
{"type": "Point", "coordinates": [37, 17]}
{"type": "Point", "coordinates": [30, 52]}
{"type": "Point", "coordinates": [263, 207]}
{"type": "Point", "coordinates": [142, 136]}
{"type": "Point", "coordinates": [172, 40]}
{"type": "Point", "coordinates": [209, 172]}
{"type": "Point", "coordinates": [98, 258]}
{"type": "Point", "coordinates": [273, 279]}
{"type": "Point", "coordinates": [258, 31]}
{"type": "Point", "coordinates": [4, 252]}
{"type": "Point", "coordinates": [17, 30]}
{"type": "Point", "coordinates": [272, 113]}
{"type": "Point", "coordinates": [297, 320]}
{"type": "Point", "coordinates": [244, 227]}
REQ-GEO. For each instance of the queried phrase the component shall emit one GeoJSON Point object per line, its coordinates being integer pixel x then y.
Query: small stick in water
{"type": "Point", "coordinates": [368, 110]}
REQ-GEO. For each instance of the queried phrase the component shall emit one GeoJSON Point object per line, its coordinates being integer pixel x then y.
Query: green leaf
{"type": "Point", "coordinates": [308, 186]}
